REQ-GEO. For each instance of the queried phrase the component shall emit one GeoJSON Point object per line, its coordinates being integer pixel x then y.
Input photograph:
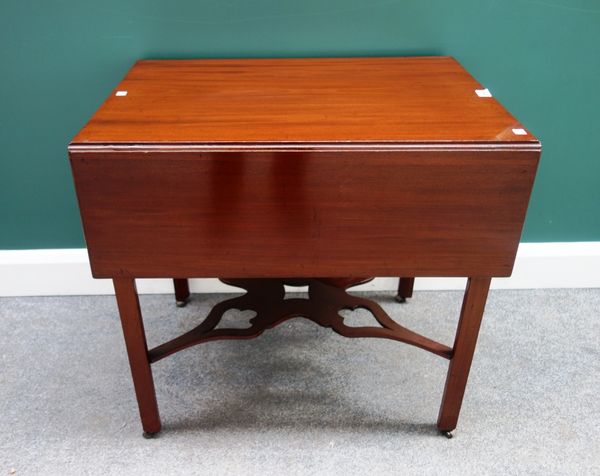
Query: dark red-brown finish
{"type": "Point", "coordinates": [462, 354]}
{"type": "Point", "coordinates": [303, 214]}
{"type": "Point", "coordinates": [326, 298]}
{"type": "Point", "coordinates": [137, 350]}
{"type": "Point", "coordinates": [304, 170]}
{"type": "Point", "coordinates": [301, 101]}
{"type": "Point", "coordinates": [182, 290]}
{"type": "Point", "coordinates": [405, 288]}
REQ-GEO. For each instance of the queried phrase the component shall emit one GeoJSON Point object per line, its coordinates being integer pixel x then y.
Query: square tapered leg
{"type": "Point", "coordinates": [462, 352]}
{"type": "Point", "coordinates": [182, 291]}
{"type": "Point", "coordinates": [137, 351]}
{"type": "Point", "coordinates": [405, 289]}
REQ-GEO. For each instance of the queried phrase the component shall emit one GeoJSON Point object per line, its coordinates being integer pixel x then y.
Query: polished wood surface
{"type": "Point", "coordinates": [308, 214]}
{"type": "Point", "coordinates": [324, 100]}
{"type": "Point", "coordinates": [303, 170]}
{"type": "Point", "coordinates": [405, 289]}
{"type": "Point", "coordinates": [326, 298]}
{"type": "Point", "coordinates": [462, 351]}
{"type": "Point", "coordinates": [182, 291]}
{"type": "Point", "coordinates": [137, 351]}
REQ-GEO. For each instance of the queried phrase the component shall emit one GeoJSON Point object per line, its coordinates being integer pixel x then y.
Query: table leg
{"type": "Point", "coordinates": [137, 350]}
{"type": "Point", "coordinates": [462, 352]}
{"type": "Point", "coordinates": [405, 289]}
{"type": "Point", "coordinates": [182, 291]}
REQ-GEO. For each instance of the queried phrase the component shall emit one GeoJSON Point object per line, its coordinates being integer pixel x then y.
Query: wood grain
{"type": "Point", "coordinates": [309, 168]}
{"type": "Point", "coordinates": [471, 315]}
{"type": "Point", "coordinates": [316, 100]}
{"type": "Point", "coordinates": [137, 351]}
{"type": "Point", "coordinates": [318, 214]}
{"type": "Point", "coordinates": [326, 298]}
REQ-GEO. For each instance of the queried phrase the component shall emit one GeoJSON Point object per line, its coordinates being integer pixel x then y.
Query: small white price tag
{"type": "Point", "coordinates": [121, 93]}
{"type": "Point", "coordinates": [483, 93]}
{"type": "Point", "coordinates": [519, 131]}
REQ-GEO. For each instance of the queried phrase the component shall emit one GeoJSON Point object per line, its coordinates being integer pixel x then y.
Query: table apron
{"type": "Point", "coordinates": [303, 214]}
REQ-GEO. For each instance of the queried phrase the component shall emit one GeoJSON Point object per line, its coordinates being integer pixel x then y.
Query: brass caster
{"type": "Point", "coordinates": [150, 435]}
{"type": "Point", "coordinates": [180, 303]}
{"type": "Point", "coordinates": [447, 434]}
{"type": "Point", "coordinates": [400, 299]}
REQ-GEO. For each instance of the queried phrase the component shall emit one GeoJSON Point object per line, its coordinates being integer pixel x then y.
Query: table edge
{"type": "Point", "coordinates": [83, 147]}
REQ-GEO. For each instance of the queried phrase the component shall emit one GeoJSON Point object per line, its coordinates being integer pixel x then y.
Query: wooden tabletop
{"type": "Point", "coordinates": [367, 101]}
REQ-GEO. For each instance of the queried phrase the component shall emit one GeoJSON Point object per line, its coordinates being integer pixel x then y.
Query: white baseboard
{"type": "Point", "coordinates": [66, 272]}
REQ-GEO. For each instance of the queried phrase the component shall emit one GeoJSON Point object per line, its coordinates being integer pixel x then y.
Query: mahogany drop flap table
{"type": "Point", "coordinates": [320, 172]}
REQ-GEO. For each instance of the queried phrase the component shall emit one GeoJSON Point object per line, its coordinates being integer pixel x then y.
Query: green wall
{"type": "Point", "coordinates": [60, 58]}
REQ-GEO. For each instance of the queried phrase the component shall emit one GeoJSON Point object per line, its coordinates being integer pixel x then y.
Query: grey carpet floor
{"type": "Point", "coordinates": [300, 399]}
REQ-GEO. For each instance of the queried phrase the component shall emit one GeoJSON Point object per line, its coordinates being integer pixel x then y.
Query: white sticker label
{"type": "Point", "coordinates": [483, 93]}
{"type": "Point", "coordinates": [121, 93]}
{"type": "Point", "coordinates": [519, 132]}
